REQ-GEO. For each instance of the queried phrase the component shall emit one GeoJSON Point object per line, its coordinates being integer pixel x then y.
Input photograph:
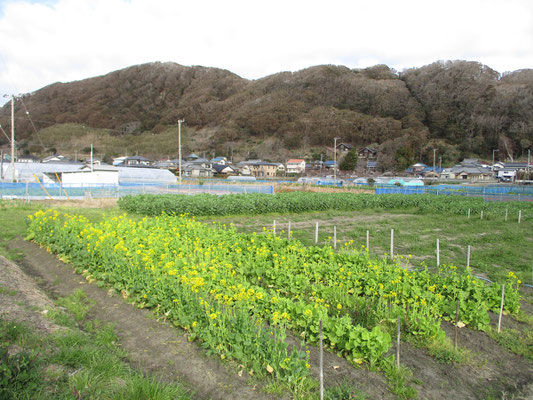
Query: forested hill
{"type": "Point", "coordinates": [462, 108]}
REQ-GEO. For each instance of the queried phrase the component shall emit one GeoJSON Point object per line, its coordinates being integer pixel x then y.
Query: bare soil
{"type": "Point", "coordinates": [164, 351]}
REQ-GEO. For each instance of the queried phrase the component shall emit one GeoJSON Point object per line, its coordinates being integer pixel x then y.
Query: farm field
{"type": "Point", "coordinates": [212, 280]}
{"type": "Point", "coordinates": [497, 246]}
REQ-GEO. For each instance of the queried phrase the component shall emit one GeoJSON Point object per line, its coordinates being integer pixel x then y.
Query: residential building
{"type": "Point", "coordinates": [469, 168]}
{"type": "Point", "coordinates": [28, 159]}
{"type": "Point", "coordinates": [220, 161]}
{"type": "Point", "coordinates": [258, 168]}
{"type": "Point", "coordinates": [136, 161]}
{"type": "Point", "coordinates": [295, 166]}
{"type": "Point", "coordinates": [197, 171]}
{"type": "Point", "coordinates": [221, 169]}
{"type": "Point", "coordinates": [367, 158]}
{"type": "Point", "coordinates": [344, 147]}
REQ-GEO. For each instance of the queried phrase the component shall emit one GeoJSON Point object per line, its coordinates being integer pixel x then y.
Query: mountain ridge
{"type": "Point", "coordinates": [462, 108]}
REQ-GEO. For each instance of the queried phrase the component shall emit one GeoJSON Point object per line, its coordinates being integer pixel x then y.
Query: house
{"type": "Point", "coordinates": [418, 168]}
{"type": "Point", "coordinates": [166, 164]}
{"type": "Point", "coordinates": [136, 161]}
{"type": "Point", "coordinates": [28, 159]}
{"type": "Point", "coordinates": [258, 168]}
{"type": "Point", "coordinates": [95, 161]}
{"type": "Point", "coordinates": [330, 164]}
{"type": "Point", "coordinates": [295, 166]}
{"type": "Point", "coordinates": [509, 171]}
{"type": "Point", "coordinates": [367, 158]}
{"type": "Point", "coordinates": [344, 147]}
{"type": "Point", "coordinates": [221, 169]}
{"type": "Point", "coordinates": [430, 172]}
{"type": "Point", "coordinates": [202, 162]}
{"type": "Point", "coordinates": [220, 161]}
{"type": "Point", "coordinates": [56, 158]}
{"type": "Point", "coordinates": [191, 157]}
{"type": "Point", "coordinates": [197, 171]}
{"type": "Point", "coordinates": [119, 160]}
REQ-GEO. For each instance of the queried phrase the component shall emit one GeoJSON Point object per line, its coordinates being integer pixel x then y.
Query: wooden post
{"type": "Point", "coordinates": [519, 215]}
{"type": "Point", "coordinates": [289, 231]}
{"type": "Point", "coordinates": [398, 344]}
{"type": "Point", "coordinates": [468, 257]}
{"type": "Point", "coordinates": [321, 361]}
{"type": "Point", "coordinates": [316, 233]}
{"type": "Point", "coordinates": [368, 241]}
{"type": "Point", "coordinates": [456, 327]}
{"type": "Point", "coordinates": [438, 253]}
{"type": "Point", "coordinates": [392, 244]}
{"type": "Point", "coordinates": [501, 309]}
{"type": "Point", "coordinates": [335, 237]}
{"type": "Point", "coordinates": [469, 213]}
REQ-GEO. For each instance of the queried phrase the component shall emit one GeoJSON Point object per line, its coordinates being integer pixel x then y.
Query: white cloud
{"type": "Point", "coordinates": [45, 42]}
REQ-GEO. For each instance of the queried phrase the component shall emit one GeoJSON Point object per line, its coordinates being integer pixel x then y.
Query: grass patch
{"type": "Point", "coordinates": [73, 363]}
{"type": "Point", "coordinates": [515, 341]}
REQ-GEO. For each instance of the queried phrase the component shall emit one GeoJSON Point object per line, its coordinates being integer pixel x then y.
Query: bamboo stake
{"type": "Point", "coordinates": [501, 309]}
{"type": "Point", "coordinates": [316, 233]}
{"type": "Point", "coordinates": [519, 215]}
{"type": "Point", "coordinates": [321, 362]}
{"type": "Point", "coordinates": [398, 344]}
{"type": "Point", "coordinates": [456, 327]}
{"type": "Point", "coordinates": [274, 227]}
{"type": "Point", "coordinates": [506, 213]}
{"type": "Point", "coordinates": [438, 253]}
{"type": "Point", "coordinates": [392, 244]}
{"type": "Point", "coordinates": [335, 237]}
{"type": "Point", "coordinates": [481, 214]}
{"type": "Point", "coordinates": [469, 213]}
{"type": "Point", "coordinates": [289, 231]}
{"type": "Point", "coordinates": [368, 241]}
{"type": "Point", "coordinates": [468, 257]}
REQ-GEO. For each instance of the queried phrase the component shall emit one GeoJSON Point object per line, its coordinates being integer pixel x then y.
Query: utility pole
{"type": "Point", "coordinates": [434, 152]}
{"type": "Point", "coordinates": [12, 138]}
{"type": "Point", "coordinates": [180, 121]}
{"type": "Point", "coordinates": [335, 159]}
{"type": "Point", "coordinates": [528, 157]}
{"type": "Point", "coordinates": [92, 169]}
{"type": "Point", "coordinates": [493, 151]}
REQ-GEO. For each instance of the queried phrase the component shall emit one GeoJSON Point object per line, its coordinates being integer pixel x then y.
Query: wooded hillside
{"type": "Point", "coordinates": [462, 108]}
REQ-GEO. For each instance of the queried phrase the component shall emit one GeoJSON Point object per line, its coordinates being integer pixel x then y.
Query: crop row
{"type": "Point", "coordinates": [297, 202]}
{"type": "Point", "coordinates": [238, 293]}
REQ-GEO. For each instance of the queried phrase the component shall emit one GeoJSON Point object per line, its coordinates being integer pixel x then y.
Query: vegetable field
{"type": "Point", "coordinates": [240, 295]}
{"type": "Point", "coordinates": [299, 202]}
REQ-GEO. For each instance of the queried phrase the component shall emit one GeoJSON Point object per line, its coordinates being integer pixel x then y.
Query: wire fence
{"type": "Point", "coordinates": [489, 193]}
{"type": "Point", "coordinates": [35, 191]}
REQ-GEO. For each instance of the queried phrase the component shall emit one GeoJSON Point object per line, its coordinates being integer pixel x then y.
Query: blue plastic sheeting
{"type": "Point", "coordinates": [487, 192]}
{"type": "Point", "coordinates": [57, 191]}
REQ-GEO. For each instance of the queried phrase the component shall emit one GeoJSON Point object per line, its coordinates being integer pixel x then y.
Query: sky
{"type": "Point", "coordinates": [47, 41]}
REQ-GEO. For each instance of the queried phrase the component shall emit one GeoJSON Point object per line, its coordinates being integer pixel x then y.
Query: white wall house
{"type": "Point", "coordinates": [295, 166]}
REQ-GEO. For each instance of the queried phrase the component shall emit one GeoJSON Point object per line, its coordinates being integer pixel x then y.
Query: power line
{"type": "Point", "coordinates": [32, 124]}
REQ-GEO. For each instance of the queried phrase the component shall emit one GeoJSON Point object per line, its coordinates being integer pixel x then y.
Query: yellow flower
{"type": "Point", "coordinates": [339, 306]}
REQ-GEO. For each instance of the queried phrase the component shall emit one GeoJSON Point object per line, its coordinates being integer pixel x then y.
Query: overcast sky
{"type": "Point", "coordinates": [45, 41]}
